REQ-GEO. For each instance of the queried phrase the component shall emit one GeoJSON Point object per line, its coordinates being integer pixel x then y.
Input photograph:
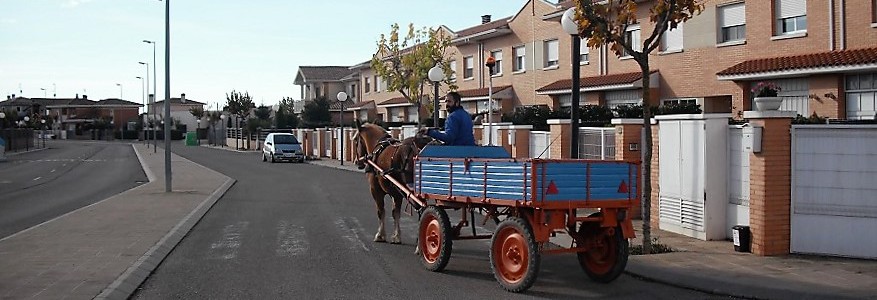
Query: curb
{"type": "Point", "coordinates": [24, 152]}
{"type": "Point", "coordinates": [339, 167]}
{"type": "Point", "coordinates": [126, 284]}
{"type": "Point", "coordinates": [149, 175]}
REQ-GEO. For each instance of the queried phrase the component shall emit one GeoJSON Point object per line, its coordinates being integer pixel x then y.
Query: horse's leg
{"type": "Point", "coordinates": [397, 213]}
{"type": "Point", "coordinates": [378, 195]}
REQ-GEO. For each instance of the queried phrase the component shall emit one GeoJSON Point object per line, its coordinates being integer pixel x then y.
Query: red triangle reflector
{"type": "Point", "coordinates": [552, 189]}
{"type": "Point", "coordinates": [622, 188]}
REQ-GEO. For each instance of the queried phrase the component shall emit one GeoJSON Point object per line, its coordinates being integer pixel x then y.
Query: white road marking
{"type": "Point", "coordinates": [52, 171]}
{"type": "Point", "coordinates": [351, 233]}
{"type": "Point", "coordinates": [38, 178]}
{"type": "Point", "coordinates": [291, 239]}
{"type": "Point", "coordinates": [227, 247]}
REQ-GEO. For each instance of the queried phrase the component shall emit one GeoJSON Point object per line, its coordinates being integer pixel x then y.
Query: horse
{"type": "Point", "coordinates": [396, 159]}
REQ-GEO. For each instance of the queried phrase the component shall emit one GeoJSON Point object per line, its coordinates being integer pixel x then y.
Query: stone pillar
{"type": "Point", "coordinates": [321, 142]}
{"type": "Point", "coordinates": [770, 183]}
{"type": "Point", "coordinates": [655, 214]}
{"type": "Point", "coordinates": [519, 140]}
{"type": "Point", "coordinates": [560, 138]}
{"type": "Point", "coordinates": [348, 144]}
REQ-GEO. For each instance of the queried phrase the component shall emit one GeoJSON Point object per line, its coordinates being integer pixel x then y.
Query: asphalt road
{"type": "Point", "coordinates": [302, 231]}
{"type": "Point", "coordinates": [38, 186]}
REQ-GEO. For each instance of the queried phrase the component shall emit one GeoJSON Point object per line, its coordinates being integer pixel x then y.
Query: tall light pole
{"type": "Point", "coordinates": [143, 98]}
{"type": "Point", "coordinates": [436, 74]}
{"type": "Point", "coordinates": [342, 97]}
{"type": "Point", "coordinates": [567, 21]}
{"type": "Point", "coordinates": [167, 96]}
{"type": "Point", "coordinates": [491, 63]}
{"type": "Point", "coordinates": [120, 90]}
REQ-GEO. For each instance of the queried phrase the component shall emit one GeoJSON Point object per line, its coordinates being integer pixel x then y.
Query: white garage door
{"type": "Point", "coordinates": [834, 208]}
{"type": "Point", "coordinates": [539, 142]}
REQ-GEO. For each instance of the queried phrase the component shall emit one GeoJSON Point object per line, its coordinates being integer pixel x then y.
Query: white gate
{"type": "Point", "coordinates": [597, 143]}
{"type": "Point", "coordinates": [539, 143]}
{"type": "Point", "coordinates": [337, 141]}
{"type": "Point", "coordinates": [738, 179]}
{"type": "Point", "coordinates": [327, 137]}
{"type": "Point", "coordinates": [315, 145]}
{"type": "Point", "coordinates": [834, 190]}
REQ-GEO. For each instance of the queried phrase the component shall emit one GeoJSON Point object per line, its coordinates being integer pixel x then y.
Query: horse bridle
{"type": "Point", "coordinates": [361, 150]}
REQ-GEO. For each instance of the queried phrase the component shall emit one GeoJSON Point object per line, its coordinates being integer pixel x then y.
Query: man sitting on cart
{"type": "Point", "coordinates": [458, 126]}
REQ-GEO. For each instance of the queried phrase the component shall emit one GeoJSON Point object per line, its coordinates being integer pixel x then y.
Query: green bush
{"type": "Point", "coordinates": [636, 111]}
{"type": "Point", "coordinates": [813, 119]}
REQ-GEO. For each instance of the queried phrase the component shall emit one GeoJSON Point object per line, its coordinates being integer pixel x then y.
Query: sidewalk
{"type": "Point", "coordinates": [714, 267]}
{"type": "Point", "coordinates": [107, 249]}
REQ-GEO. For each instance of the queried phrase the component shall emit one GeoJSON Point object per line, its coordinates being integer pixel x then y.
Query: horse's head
{"type": "Point", "coordinates": [366, 138]}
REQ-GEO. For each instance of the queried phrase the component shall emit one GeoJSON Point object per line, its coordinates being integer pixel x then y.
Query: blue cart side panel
{"type": "Point", "coordinates": [586, 180]}
{"type": "Point", "coordinates": [507, 180]}
{"type": "Point", "coordinates": [437, 151]}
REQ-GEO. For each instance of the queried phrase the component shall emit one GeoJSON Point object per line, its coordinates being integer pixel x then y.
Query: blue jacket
{"type": "Point", "coordinates": [458, 129]}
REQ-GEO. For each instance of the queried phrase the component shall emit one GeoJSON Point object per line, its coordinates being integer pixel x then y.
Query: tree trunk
{"type": "Point", "coordinates": [647, 160]}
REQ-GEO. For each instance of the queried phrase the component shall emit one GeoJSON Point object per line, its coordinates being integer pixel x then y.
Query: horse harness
{"type": "Point", "coordinates": [383, 144]}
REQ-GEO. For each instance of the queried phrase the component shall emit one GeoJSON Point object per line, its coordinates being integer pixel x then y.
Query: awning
{"type": "Point", "coordinates": [624, 81]}
{"type": "Point", "coordinates": [854, 60]}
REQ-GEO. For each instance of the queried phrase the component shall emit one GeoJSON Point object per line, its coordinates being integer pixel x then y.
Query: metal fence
{"type": "Point", "coordinates": [18, 139]}
{"type": "Point", "coordinates": [597, 143]}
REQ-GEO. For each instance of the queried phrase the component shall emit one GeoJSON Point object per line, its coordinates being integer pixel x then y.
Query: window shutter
{"type": "Point", "coordinates": [732, 15]}
{"type": "Point", "coordinates": [673, 39]}
{"type": "Point", "coordinates": [553, 48]}
{"type": "Point", "coordinates": [791, 8]}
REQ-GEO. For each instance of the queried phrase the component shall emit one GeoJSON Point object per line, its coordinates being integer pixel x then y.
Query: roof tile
{"type": "Point", "coordinates": [594, 81]}
{"type": "Point", "coordinates": [484, 27]}
{"type": "Point", "coordinates": [805, 61]}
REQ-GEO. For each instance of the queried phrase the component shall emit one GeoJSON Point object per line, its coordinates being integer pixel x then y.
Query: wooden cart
{"type": "Point", "coordinates": [530, 200]}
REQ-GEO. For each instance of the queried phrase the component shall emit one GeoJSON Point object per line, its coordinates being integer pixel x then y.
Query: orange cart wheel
{"type": "Point", "coordinates": [514, 255]}
{"type": "Point", "coordinates": [607, 256]}
{"type": "Point", "coordinates": [435, 239]}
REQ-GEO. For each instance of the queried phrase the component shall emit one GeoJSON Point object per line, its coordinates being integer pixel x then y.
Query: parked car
{"type": "Point", "coordinates": [282, 146]}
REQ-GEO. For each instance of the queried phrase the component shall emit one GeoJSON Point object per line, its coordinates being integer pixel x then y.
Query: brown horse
{"type": "Point", "coordinates": [395, 158]}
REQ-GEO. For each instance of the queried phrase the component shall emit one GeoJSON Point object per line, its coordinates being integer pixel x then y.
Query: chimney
{"type": "Point", "coordinates": [183, 98]}
{"type": "Point", "coordinates": [485, 19]}
{"type": "Point", "coordinates": [77, 96]}
{"type": "Point", "coordinates": [8, 97]}
{"type": "Point", "coordinates": [84, 97]}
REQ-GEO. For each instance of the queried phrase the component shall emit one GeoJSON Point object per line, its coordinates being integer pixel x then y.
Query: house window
{"type": "Point", "coordinates": [377, 84]}
{"type": "Point", "coordinates": [632, 38]}
{"type": "Point", "coordinates": [566, 100]}
{"type": "Point", "coordinates": [468, 67]}
{"type": "Point", "coordinates": [453, 65]}
{"type": "Point", "coordinates": [396, 114]}
{"type": "Point", "coordinates": [861, 96]}
{"type": "Point", "coordinates": [363, 115]}
{"type": "Point", "coordinates": [317, 92]}
{"type": "Point", "coordinates": [671, 41]}
{"type": "Point", "coordinates": [367, 85]}
{"type": "Point", "coordinates": [520, 58]}
{"type": "Point", "coordinates": [679, 101]}
{"type": "Point", "coordinates": [732, 22]}
{"type": "Point", "coordinates": [584, 51]}
{"type": "Point", "coordinates": [413, 116]}
{"type": "Point", "coordinates": [353, 90]}
{"type": "Point", "coordinates": [552, 55]}
{"type": "Point", "coordinates": [497, 56]}
{"type": "Point", "coordinates": [791, 16]}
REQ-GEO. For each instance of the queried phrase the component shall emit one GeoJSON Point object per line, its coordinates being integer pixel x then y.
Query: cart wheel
{"type": "Point", "coordinates": [607, 258]}
{"type": "Point", "coordinates": [435, 239]}
{"type": "Point", "coordinates": [272, 158]}
{"type": "Point", "coordinates": [263, 157]}
{"type": "Point", "coordinates": [514, 255]}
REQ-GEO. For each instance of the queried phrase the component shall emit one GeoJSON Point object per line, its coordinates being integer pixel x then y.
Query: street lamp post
{"type": "Point", "coordinates": [43, 130]}
{"type": "Point", "coordinates": [167, 96]}
{"type": "Point", "coordinates": [491, 62]}
{"type": "Point", "coordinates": [225, 136]}
{"type": "Point", "coordinates": [24, 124]}
{"type": "Point", "coordinates": [198, 129]}
{"type": "Point", "coordinates": [2, 120]}
{"type": "Point", "coordinates": [120, 90]}
{"type": "Point", "coordinates": [44, 92]}
{"type": "Point", "coordinates": [436, 74]}
{"type": "Point", "coordinates": [567, 21]}
{"type": "Point", "coordinates": [342, 97]}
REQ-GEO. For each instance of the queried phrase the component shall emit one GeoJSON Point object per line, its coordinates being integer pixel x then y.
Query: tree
{"type": "Point", "coordinates": [606, 23]}
{"type": "Point", "coordinates": [404, 64]}
{"type": "Point", "coordinates": [239, 104]}
{"type": "Point", "coordinates": [316, 113]}
{"type": "Point", "coordinates": [285, 116]}
{"type": "Point", "coordinates": [197, 112]}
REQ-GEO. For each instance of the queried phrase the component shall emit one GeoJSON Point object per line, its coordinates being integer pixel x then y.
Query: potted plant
{"type": "Point", "coordinates": [766, 96]}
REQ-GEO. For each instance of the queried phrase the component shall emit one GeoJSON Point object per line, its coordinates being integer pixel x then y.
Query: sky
{"type": "Point", "coordinates": [92, 47]}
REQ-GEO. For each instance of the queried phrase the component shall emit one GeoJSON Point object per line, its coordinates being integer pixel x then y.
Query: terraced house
{"type": "Point", "coordinates": [821, 53]}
